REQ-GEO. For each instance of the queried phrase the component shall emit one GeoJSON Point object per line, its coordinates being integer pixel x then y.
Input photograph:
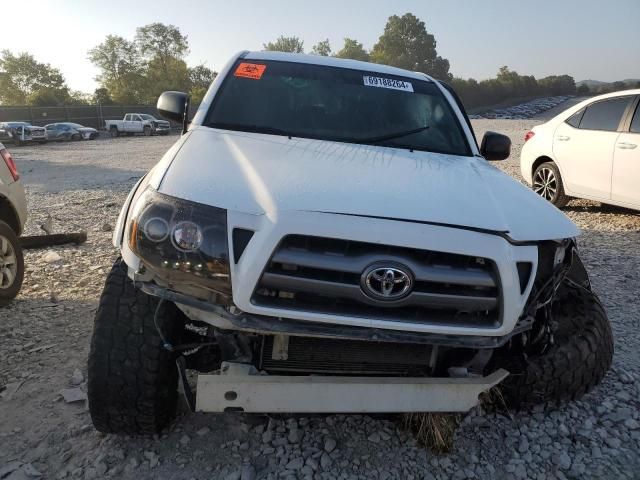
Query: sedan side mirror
{"type": "Point", "coordinates": [175, 106]}
{"type": "Point", "coordinates": [495, 146]}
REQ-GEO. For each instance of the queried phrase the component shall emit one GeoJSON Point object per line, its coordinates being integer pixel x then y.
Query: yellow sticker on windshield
{"type": "Point", "coordinates": [250, 70]}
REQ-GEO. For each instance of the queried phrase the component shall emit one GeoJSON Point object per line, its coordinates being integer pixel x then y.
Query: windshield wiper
{"type": "Point", "coordinates": [391, 136]}
{"type": "Point", "coordinates": [251, 128]}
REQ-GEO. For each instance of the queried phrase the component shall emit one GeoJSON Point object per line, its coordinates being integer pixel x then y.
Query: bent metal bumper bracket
{"type": "Point", "coordinates": [237, 389]}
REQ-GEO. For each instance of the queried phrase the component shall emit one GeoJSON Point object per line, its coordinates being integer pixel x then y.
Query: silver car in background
{"type": "Point", "coordinates": [67, 131]}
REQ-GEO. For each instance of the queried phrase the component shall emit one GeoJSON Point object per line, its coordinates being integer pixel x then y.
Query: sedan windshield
{"type": "Point", "coordinates": [338, 104]}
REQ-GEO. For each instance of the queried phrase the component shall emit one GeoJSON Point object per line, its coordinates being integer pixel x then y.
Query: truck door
{"type": "Point", "coordinates": [137, 124]}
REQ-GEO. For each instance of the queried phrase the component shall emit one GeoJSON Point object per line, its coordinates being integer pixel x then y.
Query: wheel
{"type": "Point", "coordinates": [573, 364]}
{"type": "Point", "coordinates": [147, 131]}
{"type": "Point", "coordinates": [76, 136]}
{"type": "Point", "coordinates": [132, 378]}
{"type": "Point", "coordinates": [113, 131]}
{"type": "Point", "coordinates": [11, 264]}
{"type": "Point", "coordinates": [548, 184]}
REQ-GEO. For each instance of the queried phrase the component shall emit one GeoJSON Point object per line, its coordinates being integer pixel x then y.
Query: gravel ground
{"type": "Point", "coordinates": [45, 339]}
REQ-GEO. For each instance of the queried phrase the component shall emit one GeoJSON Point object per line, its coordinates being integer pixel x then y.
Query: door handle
{"type": "Point", "coordinates": [562, 138]}
{"type": "Point", "coordinates": [627, 146]}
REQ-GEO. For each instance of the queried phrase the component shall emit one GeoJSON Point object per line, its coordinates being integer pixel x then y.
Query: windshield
{"type": "Point", "coordinates": [74, 125]}
{"type": "Point", "coordinates": [147, 117]}
{"type": "Point", "coordinates": [338, 104]}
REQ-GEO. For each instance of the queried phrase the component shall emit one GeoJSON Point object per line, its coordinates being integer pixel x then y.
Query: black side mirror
{"type": "Point", "coordinates": [495, 146]}
{"type": "Point", "coordinates": [174, 106]}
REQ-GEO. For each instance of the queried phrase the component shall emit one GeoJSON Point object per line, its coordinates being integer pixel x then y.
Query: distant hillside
{"type": "Point", "coordinates": [597, 83]}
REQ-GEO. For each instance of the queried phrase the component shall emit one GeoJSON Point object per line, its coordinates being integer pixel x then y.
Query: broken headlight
{"type": "Point", "coordinates": [182, 242]}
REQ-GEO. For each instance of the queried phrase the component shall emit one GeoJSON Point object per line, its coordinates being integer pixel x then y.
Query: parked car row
{"type": "Point", "coordinates": [524, 110]}
{"type": "Point", "coordinates": [21, 133]}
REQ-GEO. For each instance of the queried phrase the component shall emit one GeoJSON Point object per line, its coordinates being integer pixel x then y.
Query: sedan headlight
{"type": "Point", "coordinates": [182, 242]}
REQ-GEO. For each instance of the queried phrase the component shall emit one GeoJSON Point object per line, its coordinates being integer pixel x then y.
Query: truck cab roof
{"type": "Point", "coordinates": [334, 62]}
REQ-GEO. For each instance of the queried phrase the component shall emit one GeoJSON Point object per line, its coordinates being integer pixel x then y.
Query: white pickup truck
{"type": "Point", "coordinates": [138, 123]}
{"type": "Point", "coordinates": [328, 236]}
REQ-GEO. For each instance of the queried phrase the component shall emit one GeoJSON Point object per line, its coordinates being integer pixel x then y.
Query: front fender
{"type": "Point", "coordinates": [578, 272]}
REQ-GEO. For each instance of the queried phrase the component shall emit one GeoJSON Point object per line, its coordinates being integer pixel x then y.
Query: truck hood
{"type": "Point", "coordinates": [262, 174]}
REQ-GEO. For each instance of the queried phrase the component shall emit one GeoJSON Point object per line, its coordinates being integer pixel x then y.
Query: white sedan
{"type": "Point", "coordinates": [591, 150]}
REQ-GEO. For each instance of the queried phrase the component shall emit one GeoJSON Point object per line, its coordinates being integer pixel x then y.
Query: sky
{"type": "Point", "coordinates": [584, 38]}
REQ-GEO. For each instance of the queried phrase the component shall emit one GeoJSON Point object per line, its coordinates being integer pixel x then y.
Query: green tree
{"type": "Point", "coordinates": [322, 48]}
{"type": "Point", "coordinates": [200, 78]}
{"type": "Point", "coordinates": [25, 81]}
{"type": "Point", "coordinates": [583, 90]}
{"type": "Point", "coordinates": [121, 69]}
{"type": "Point", "coordinates": [158, 40]}
{"type": "Point", "coordinates": [164, 74]}
{"type": "Point", "coordinates": [163, 49]}
{"type": "Point", "coordinates": [285, 44]}
{"type": "Point", "coordinates": [406, 43]}
{"type": "Point", "coordinates": [354, 50]}
{"type": "Point", "coordinates": [76, 97]}
{"type": "Point", "coordinates": [101, 96]}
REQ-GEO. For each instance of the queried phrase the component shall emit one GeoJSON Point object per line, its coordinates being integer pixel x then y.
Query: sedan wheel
{"type": "Point", "coordinates": [548, 184]}
{"type": "Point", "coordinates": [545, 184]}
{"type": "Point", "coordinates": [8, 263]}
{"type": "Point", "coordinates": [11, 264]}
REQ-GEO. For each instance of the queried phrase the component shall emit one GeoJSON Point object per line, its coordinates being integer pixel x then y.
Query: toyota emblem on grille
{"type": "Point", "coordinates": [387, 281]}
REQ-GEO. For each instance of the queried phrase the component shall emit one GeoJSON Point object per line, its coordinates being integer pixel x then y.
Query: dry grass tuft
{"type": "Point", "coordinates": [433, 430]}
{"type": "Point", "coordinates": [493, 401]}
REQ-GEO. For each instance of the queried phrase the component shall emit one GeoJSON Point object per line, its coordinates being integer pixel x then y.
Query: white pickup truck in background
{"type": "Point", "coordinates": [138, 123]}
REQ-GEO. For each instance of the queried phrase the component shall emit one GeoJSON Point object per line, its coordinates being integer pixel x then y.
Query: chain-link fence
{"type": "Point", "coordinates": [87, 115]}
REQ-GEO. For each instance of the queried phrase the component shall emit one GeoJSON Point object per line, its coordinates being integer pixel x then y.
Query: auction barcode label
{"type": "Point", "coordinates": [391, 83]}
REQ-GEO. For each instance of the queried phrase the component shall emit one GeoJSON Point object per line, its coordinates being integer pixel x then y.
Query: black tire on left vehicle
{"type": "Point", "coordinates": [573, 364]}
{"type": "Point", "coordinates": [132, 378]}
{"type": "Point", "coordinates": [11, 264]}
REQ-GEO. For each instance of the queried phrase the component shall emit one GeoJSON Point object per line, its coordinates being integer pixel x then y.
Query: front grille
{"type": "Point", "coordinates": [323, 275]}
{"type": "Point", "coordinates": [346, 357]}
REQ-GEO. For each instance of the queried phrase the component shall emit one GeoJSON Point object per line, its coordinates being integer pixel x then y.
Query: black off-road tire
{"type": "Point", "coordinates": [559, 198]}
{"type": "Point", "coordinates": [113, 131]}
{"type": "Point", "coordinates": [577, 361]}
{"type": "Point", "coordinates": [147, 132]}
{"type": "Point", "coordinates": [132, 378]}
{"type": "Point", "coordinates": [9, 292]}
